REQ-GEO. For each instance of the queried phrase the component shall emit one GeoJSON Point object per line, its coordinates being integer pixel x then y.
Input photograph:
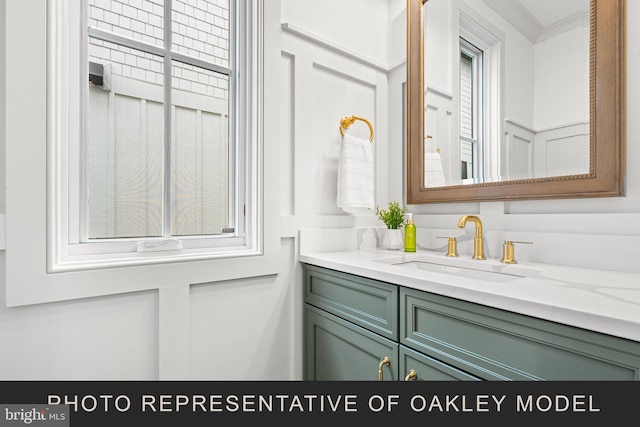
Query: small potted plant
{"type": "Point", "coordinates": [394, 218]}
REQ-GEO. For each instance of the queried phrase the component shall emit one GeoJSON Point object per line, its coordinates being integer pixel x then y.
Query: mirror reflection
{"type": "Point", "coordinates": [506, 90]}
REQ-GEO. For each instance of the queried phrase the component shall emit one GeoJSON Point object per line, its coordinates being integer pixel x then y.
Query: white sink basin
{"type": "Point", "coordinates": [487, 270]}
{"type": "Point", "coordinates": [459, 271]}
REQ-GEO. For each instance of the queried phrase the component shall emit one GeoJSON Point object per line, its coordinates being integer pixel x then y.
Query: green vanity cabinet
{"type": "Point", "coordinates": [501, 345]}
{"type": "Point", "coordinates": [352, 333]}
{"type": "Point", "coordinates": [351, 327]}
{"type": "Point", "coordinates": [352, 323]}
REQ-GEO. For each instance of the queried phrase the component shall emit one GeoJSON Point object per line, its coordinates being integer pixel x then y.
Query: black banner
{"type": "Point", "coordinates": [208, 403]}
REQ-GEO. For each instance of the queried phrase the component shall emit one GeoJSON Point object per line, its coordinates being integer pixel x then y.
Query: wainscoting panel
{"type": "Point", "coordinates": [328, 83]}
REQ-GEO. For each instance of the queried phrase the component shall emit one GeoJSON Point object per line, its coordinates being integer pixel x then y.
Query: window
{"type": "Point", "coordinates": [159, 148]}
{"type": "Point", "coordinates": [159, 170]}
{"type": "Point", "coordinates": [47, 91]}
{"type": "Point", "coordinates": [471, 95]}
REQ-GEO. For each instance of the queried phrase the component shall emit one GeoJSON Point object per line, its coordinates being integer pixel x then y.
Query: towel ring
{"type": "Point", "coordinates": [345, 122]}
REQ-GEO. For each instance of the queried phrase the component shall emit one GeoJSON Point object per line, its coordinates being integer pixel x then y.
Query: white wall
{"type": "Point", "coordinates": [250, 327]}
{"type": "Point", "coordinates": [353, 25]}
{"type": "Point", "coordinates": [561, 76]}
{"type": "Point", "coordinates": [231, 319]}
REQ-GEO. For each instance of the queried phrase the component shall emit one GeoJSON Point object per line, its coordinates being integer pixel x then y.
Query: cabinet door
{"type": "Point", "coordinates": [499, 345]}
{"type": "Point", "coordinates": [337, 350]}
{"type": "Point", "coordinates": [416, 366]}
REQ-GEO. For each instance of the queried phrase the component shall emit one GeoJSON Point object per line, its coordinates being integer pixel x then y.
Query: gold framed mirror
{"type": "Point", "coordinates": [606, 139]}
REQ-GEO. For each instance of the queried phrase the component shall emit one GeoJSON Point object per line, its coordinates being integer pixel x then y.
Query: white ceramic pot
{"type": "Point", "coordinates": [393, 239]}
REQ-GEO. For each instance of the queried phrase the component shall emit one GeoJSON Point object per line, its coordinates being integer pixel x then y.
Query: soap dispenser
{"type": "Point", "coordinates": [409, 234]}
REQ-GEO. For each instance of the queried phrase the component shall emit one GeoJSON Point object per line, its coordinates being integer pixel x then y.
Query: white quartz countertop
{"type": "Point", "coordinates": [597, 300]}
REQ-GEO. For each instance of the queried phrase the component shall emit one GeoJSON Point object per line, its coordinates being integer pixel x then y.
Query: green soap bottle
{"type": "Point", "coordinates": [409, 234]}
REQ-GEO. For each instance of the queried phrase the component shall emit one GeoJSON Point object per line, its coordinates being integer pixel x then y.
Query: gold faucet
{"type": "Point", "coordinates": [478, 244]}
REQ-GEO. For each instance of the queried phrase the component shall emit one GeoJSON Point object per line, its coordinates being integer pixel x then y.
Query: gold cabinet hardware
{"type": "Point", "coordinates": [508, 254]}
{"type": "Point", "coordinates": [385, 361]}
{"type": "Point", "coordinates": [452, 246]}
{"type": "Point", "coordinates": [411, 376]}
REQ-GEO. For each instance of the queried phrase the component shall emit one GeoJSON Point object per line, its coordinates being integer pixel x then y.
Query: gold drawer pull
{"type": "Point", "coordinates": [384, 361]}
{"type": "Point", "coordinates": [411, 376]}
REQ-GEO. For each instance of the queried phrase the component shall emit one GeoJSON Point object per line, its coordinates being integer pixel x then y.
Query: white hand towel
{"type": "Point", "coordinates": [433, 171]}
{"type": "Point", "coordinates": [355, 175]}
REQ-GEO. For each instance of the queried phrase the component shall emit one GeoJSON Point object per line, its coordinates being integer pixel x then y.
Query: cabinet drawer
{"type": "Point", "coordinates": [365, 302]}
{"type": "Point", "coordinates": [429, 369]}
{"type": "Point", "coordinates": [500, 345]}
{"type": "Point", "coordinates": [339, 350]}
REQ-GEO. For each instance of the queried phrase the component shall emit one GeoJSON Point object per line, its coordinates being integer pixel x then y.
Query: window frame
{"type": "Point", "coordinates": [475, 56]}
{"type": "Point", "coordinates": [491, 42]}
{"type": "Point", "coordinates": [66, 251]}
{"type": "Point", "coordinates": [38, 123]}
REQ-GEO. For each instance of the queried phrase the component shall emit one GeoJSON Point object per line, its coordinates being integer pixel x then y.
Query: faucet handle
{"type": "Point", "coordinates": [452, 246]}
{"type": "Point", "coordinates": [508, 254]}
